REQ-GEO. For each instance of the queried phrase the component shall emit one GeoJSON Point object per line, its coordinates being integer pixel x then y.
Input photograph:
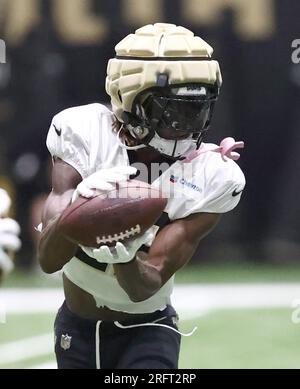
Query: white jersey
{"type": "Point", "coordinates": [83, 137]}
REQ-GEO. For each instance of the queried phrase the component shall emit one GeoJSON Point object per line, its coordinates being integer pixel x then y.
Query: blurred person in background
{"type": "Point", "coordinates": [118, 312]}
{"type": "Point", "coordinates": [10, 242]}
{"type": "Point", "coordinates": [9, 236]}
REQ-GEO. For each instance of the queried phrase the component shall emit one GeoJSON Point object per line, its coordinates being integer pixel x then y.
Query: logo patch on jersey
{"type": "Point", "coordinates": [185, 183]}
{"type": "Point", "coordinates": [65, 342]}
{"type": "Point", "coordinates": [236, 192]}
{"type": "Point", "coordinates": [58, 131]}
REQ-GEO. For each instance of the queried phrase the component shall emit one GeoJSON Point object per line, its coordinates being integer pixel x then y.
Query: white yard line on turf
{"type": "Point", "coordinates": [190, 300]}
{"type": "Point", "coordinates": [196, 300]}
{"type": "Point", "coordinates": [19, 301]}
{"type": "Point", "coordinates": [25, 349]}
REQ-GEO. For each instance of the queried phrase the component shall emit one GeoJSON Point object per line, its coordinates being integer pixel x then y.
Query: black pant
{"type": "Point", "coordinates": [144, 347]}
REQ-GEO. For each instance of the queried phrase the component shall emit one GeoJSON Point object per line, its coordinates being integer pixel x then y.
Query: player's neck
{"type": "Point", "coordinates": [148, 156]}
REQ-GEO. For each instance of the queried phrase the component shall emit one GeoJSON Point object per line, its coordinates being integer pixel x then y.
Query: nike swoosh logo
{"type": "Point", "coordinates": [236, 193]}
{"type": "Point", "coordinates": [58, 131]}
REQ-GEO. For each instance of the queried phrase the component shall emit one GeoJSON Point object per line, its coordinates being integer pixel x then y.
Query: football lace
{"type": "Point", "coordinates": [121, 236]}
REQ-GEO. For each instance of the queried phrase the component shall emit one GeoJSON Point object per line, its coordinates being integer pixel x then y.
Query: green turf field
{"type": "Point", "coordinates": [213, 273]}
{"type": "Point", "coordinates": [243, 339]}
{"type": "Point", "coordinates": [226, 338]}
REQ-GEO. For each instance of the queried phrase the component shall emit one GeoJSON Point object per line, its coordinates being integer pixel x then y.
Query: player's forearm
{"type": "Point", "coordinates": [54, 250]}
{"type": "Point", "coordinates": [139, 279]}
{"type": "Point", "coordinates": [144, 276]}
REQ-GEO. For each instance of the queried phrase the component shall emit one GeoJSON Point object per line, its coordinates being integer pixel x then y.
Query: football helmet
{"type": "Point", "coordinates": [163, 86]}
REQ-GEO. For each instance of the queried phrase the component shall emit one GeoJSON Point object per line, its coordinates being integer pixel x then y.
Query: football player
{"type": "Point", "coordinates": [9, 236]}
{"type": "Point", "coordinates": [163, 85]}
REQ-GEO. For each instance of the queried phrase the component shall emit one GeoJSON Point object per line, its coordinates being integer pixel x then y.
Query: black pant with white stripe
{"type": "Point", "coordinates": [86, 344]}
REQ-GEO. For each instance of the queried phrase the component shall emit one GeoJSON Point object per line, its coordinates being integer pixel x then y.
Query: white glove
{"type": "Point", "coordinates": [102, 180]}
{"type": "Point", "coordinates": [9, 241]}
{"type": "Point", "coordinates": [121, 252]}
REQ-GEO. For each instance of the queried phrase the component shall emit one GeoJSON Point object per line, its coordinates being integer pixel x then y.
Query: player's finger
{"type": "Point", "coordinates": [103, 254]}
{"type": "Point", "coordinates": [103, 186]}
{"type": "Point", "coordinates": [235, 156]}
{"type": "Point", "coordinates": [117, 177]}
{"type": "Point", "coordinates": [149, 236]}
{"type": "Point", "coordinates": [127, 170]}
{"type": "Point", "coordinates": [122, 252]}
{"type": "Point", "coordinates": [84, 191]}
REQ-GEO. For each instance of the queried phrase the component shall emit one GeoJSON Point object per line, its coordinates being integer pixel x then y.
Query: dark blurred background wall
{"type": "Point", "coordinates": [57, 51]}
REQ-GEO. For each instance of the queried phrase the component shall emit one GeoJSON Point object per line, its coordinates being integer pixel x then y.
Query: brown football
{"type": "Point", "coordinates": [121, 214]}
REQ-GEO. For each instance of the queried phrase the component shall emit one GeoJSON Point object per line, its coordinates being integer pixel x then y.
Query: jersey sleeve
{"type": "Point", "coordinates": [214, 186]}
{"type": "Point", "coordinates": [68, 141]}
{"type": "Point", "coordinates": [224, 190]}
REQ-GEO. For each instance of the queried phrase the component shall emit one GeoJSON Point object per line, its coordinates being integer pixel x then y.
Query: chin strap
{"type": "Point", "coordinates": [226, 149]}
{"type": "Point", "coordinates": [124, 146]}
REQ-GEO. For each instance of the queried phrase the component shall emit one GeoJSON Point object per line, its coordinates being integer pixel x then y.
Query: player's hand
{"type": "Point", "coordinates": [9, 242]}
{"type": "Point", "coordinates": [103, 180]}
{"type": "Point", "coordinates": [121, 252]}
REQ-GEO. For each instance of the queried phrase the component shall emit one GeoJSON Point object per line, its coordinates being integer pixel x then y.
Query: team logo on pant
{"type": "Point", "coordinates": [65, 342]}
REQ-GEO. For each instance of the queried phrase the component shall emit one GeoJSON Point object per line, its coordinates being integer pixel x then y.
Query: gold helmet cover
{"type": "Point", "coordinates": [161, 56]}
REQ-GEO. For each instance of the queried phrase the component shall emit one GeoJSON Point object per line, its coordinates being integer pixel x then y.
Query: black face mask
{"type": "Point", "coordinates": [186, 108]}
{"type": "Point", "coordinates": [184, 115]}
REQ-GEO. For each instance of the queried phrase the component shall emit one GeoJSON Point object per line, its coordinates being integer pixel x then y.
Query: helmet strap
{"type": "Point", "coordinates": [124, 146]}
